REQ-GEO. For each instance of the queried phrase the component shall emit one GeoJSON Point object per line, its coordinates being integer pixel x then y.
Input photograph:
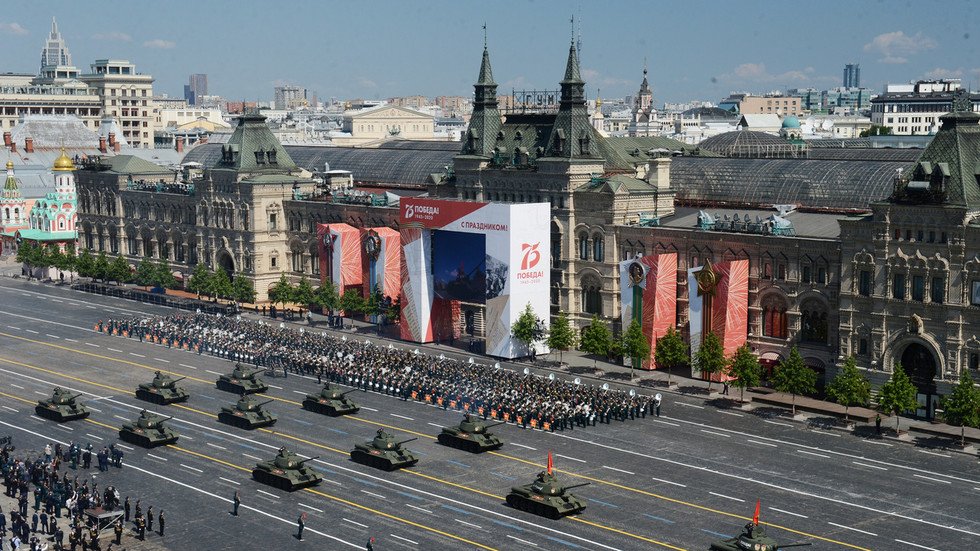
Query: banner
{"type": "Point", "coordinates": [718, 297]}
{"type": "Point", "coordinates": [648, 287]}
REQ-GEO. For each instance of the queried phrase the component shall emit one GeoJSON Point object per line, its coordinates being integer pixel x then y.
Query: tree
{"type": "Point", "coordinates": [146, 273]}
{"type": "Point", "coordinates": [52, 256]}
{"type": "Point", "coordinates": [351, 302]}
{"type": "Point", "coordinates": [219, 285]}
{"type": "Point", "coordinates": [528, 329]}
{"type": "Point", "coordinates": [242, 289]}
{"type": "Point", "coordinates": [561, 337]}
{"type": "Point", "coordinates": [85, 264]}
{"type": "Point", "coordinates": [119, 270]}
{"type": "Point", "coordinates": [596, 339]}
{"type": "Point", "coordinates": [163, 275]}
{"type": "Point", "coordinates": [898, 394]}
{"type": "Point", "coordinates": [635, 345]}
{"type": "Point", "coordinates": [326, 296]}
{"type": "Point", "coordinates": [671, 352]}
{"type": "Point", "coordinates": [69, 261]}
{"type": "Point", "coordinates": [710, 358]}
{"type": "Point", "coordinates": [850, 387]}
{"type": "Point", "coordinates": [745, 370]}
{"type": "Point", "coordinates": [31, 255]}
{"type": "Point", "coordinates": [962, 406]}
{"type": "Point", "coordinates": [100, 268]}
{"type": "Point", "coordinates": [281, 291]}
{"type": "Point", "coordinates": [200, 279]}
{"type": "Point", "coordinates": [303, 293]}
{"type": "Point", "coordinates": [876, 130]}
{"type": "Point", "coordinates": [793, 376]}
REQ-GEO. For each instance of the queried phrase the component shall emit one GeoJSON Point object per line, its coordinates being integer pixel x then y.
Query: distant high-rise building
{"type": "Point", "coordinates": [288, 97]}
{"type": "Point", "coordinates": [56, 67]}
{"type": "Point", "coordinates": [852, 75]}
{"type": "Point", "coordinates": [196, 87]}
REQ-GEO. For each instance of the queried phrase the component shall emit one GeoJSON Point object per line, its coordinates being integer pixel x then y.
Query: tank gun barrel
{"type": "Point", "coordinates": [309, 459]}
{"type": "Point", "coordinates": [349, 391]}
{"type": "Point", "coordinates": [166, 418]}
{"type": "Point", "coordinates": [264, 403]}
{"type": "Point", "coordinates": [800, 544]}
{"type": "Point", "coordinates": [495, 424]}
{"type": "Point", "coordinates": [569, 487]}
{"type": "Point", "coordinates": [73, 396]}
{"type": "Point", "coordinates": [406, 441]}
{"type": "Point", "coordinates": [178, 379]}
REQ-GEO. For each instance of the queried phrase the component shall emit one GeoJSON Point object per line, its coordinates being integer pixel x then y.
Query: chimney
{"type": "Point", "coordinates": [112, 140]}
{"type": "Point", "coordinates": [7, 139]}
{"type": "Point", "coordinates": [116, 146]}
{"type": "Point", "coordinates": [202, 139]}
{"type": "Point", "coordinates": [180, 144]}
{"type": "Point", "coordinates": [29, 145]}
{"type": "Point", "coordinates": [102, 145]}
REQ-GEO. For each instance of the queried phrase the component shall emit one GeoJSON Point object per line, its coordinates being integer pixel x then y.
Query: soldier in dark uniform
{"type": "Point", "coordinates": [126, 508]}
{"type": "Point", "coordinates": [118, 529]}
{"type": "Point", "coordinates": [162, 520]}
{"type": "Point", "coordinates": [237, 501]}
{"type": "Point", "coordinates": [301, 523]}
{"type": "Point", "coordinates": [149, 518]}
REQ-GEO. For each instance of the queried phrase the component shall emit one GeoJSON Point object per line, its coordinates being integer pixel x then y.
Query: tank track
{"type": "Point", "coordinates": [54, 415]}
{"type": "Point", "coordinates": [521, 503]}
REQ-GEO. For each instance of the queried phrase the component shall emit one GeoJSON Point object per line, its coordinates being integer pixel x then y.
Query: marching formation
{"type": "Point", "coordinates": [488, 391]}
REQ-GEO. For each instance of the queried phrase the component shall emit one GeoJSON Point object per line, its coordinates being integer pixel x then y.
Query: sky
{"type": "Point", "coordinates": [695, 49]}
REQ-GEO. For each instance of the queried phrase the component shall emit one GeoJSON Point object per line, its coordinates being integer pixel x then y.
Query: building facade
{"type": "Point", "coordinates": [127, 96]}
{"type": "Point", "coordinates": [910, 109]}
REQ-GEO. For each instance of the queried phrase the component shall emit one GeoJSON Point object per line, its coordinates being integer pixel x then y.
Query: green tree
{"type": "Point", "coordinates": [100, 268]}
{"type": "Point", "coordinates": [596, 339]}
{"type": "Point", "coordinates": [85, 265]}
{"type": "Point", "coordinates": [31, 255]}
{"type": "Point", "coordinates": [394, 311]}
{"type": "Point", "coordinates": [635, 345]}
{"type": "Point", "coordinates": [962, 406]}
{"type": "Point", "coordinates": [52, 256]}
{"type": "Point", "coordinates": [326, 297]}
{"type": "Point", "coordinates": [745, 370]}
{"type": "Point", "coordinates": [850, 387]}
{"type": "Point", "coordinates": [528, 329]}
{"type": "Point", "coordinates": [200, 279]}
{"type": "Point", "coordinates": [119, 270]}
{"type": "Point", "coordinates": [219, 285]}
{"type": "Point", "coordinates": [710, 358]}
{"type": "Point", "coordinates": [163, 275]}
{"type": "Point", "coordinates": [561, 337]}
{"type": "Point", "coordinates": [242, 289]}
{"type": "Point", "coordinates": [146, 273]}
{"type": "Point", "coordinates": [281, 291]}
{"type": "Point", "coordinates": [351, 302]}
{"type": "Point", "coordinates": [303, 293]}
{"type": "Point", "coordinates": [876, 130]}
{"type": "Point", "coordinates": [671, 352]}
{"type": "Point", "coordinates": [793, 376]}
{"type": "Point", "coordinates": [898, 394]}
{"type": "Point", "coordinates": [69, 261]}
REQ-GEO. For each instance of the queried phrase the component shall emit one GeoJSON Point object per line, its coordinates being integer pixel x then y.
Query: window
{"type": "Point", "coordinates": [591, 297]}
{"type": "Point", "coordinates": [975, 292]}
{"type": "Point", "coordinates": [272, 221]}
{"type": "Point", "coordinates": [821, 275]}
{"type": "Point", "coordinates": [898, 286]}
{"type": "Point", "coordinates": [583, 246]}
{"type": "Point", "coordinates": [781, 272]}
{"type": "Point", "coordinates": [598, 250]}
{"type": "Point", "coordinates": [274, 262]}
{"type": "Point", "coordinates": [767, 271]}
{"type": "Point", "coordinates": [863, 347]}
{"type": "Point", "coordinates": [297, 261]}
{"type": "Point", "coordinates": [974, 361]}
{"type": "Point", "coordinates": [864, 283]}
{"type": "Point", "coordinates": [936, 290]}
{"type": "Point", "coordinates": [918, 288]}
{"type": "Point", "coordinates": [805, 276]}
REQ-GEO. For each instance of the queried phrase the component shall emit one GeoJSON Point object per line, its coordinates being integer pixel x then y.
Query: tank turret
{"type": "Point", "coordinates": [62, 406]}
{"type": "Point", "coordinates": [242, 380]}
{"type": "Point", "coordinates": [546, 496]}
{"type": "Point", "coordinates": [331, 401]}
{"type": "Point", "coordinates": [384, 452]}
{"type": "Point", "coordinates": [148, 431]}
{"type": "Point", "coordinates": [162, 390]}
{"type": "Point", "coordinates": [247, 413]}
{"type": "Point", "coordinates": [286, 471]}
{"type": "Point", "coordinates": [471, 435]}
{"type": "Point", "coordinates": [753, 537]}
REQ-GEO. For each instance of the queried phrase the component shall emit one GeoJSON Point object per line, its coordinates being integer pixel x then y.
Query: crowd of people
{"type": "Point", "coordinates": [61, 499]}
{"type": "Point", "coordinates": [487, 390]}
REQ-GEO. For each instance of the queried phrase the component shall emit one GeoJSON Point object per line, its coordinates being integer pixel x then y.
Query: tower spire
{"type": "Point", "coordinates": [485, 120]}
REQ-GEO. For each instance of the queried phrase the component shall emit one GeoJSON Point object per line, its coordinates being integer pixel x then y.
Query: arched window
{"type": "Point", "coordinates": [583, 246]}
{"type": "Point", "coordinates": [813, 315]}
{"type": "Point", "coordinates": [774, 317]}
{"type": "Point", "coordinates": [592, 295]}
{"type": "Point", "coordinates": [598, 250]}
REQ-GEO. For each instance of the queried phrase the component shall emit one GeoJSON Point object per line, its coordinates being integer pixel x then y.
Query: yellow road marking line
{"type": "Point", "coordinates": [624, 533]}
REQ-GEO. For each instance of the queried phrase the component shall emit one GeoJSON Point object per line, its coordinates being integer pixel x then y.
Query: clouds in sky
{"type": "Point", "coordinates": [13, 28]}
{"type": "Point", "coordinates": [896, 46]}
{"type": "Point", "coordinates": [757, 73]}
{"type": "Point", "coordinates": [160, 44]}
{"type": "Point", "coordinates": [112, 35]}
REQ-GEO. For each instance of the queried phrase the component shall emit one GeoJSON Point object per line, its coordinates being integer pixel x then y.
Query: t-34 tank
{"type": "Point", "coordinates": [61, 407]}
{"type": "Point", "coordinates": [162, 390]}
{"type": "Point", "coordinates": [286, 472]}
{"type": "Point", "coordinates": [546, 496]}
{"type": "Point", "coordinates": [384, 453]}
{"type": "Point", "coordinates": [753, 537]}
{"type": "Point", "coordinates": [148, 431]}
{"type": "Point", "coordinates": [242, 380]}
{"type": "Point", "coordinates": [247, 413]}
{"type": "Point", "coordinates": [471, 435]}
{"type": "Point", "coordinates": [330, 401]}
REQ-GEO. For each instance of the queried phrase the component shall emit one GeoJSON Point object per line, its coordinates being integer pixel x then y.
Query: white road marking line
{"type": "Point", "coordinates": [858, 463]}
{"type": "Point", "coordinates": [727, 497]}
{"type": "Point", "coordinates": [70, 340]}
{"type": "Point", "coordinates": [65, 427]}
{"type": "Point", "coordinates": [137, 355]}
{"type": "Point", "coordinates": [305, 506]}
{"type": "Point", "coordinates": [156, 457]}
{"type": "Point", "coordinates": [300, 392]}
{"type": "Point", "coordinates": [931, 478]}
{"type": "Point", "coordinates": [815, 454]}
{"type": "Point", "coordinates": [373, 494]}
{"type": "Point", "coordinates": [334, 482]}
{"type": "Point", "coordinates": [731, 413]}
{"type": "Point", "coordinates": [468, 524]}
{"type": "Point", "coordinates": [14, 328]}
{"type": "Point", "coordinates": [571, 458]}
{"type": "Point", "coordinates": [17, 386]}
{"type": "Point", "coordinates": [716, 433]}
{"type": "Point", "coordinates": [124, 446]}
{"type": "Point", "coordinates": [669, 482]}
{"type": "Point", "coordinates": [917, 545]}
{"type": "Point", "coordinates": [401, 417]}
{"type": "Point", "coordinates": [40, 393]}
{"type": "Point", "coordinates": [267, 493]}
{"type": "Point", "coordinates": [93, 409]}
{"type": "Point", "coordinates": [777, 423]}
{"type": "Point", "coordinates": [435, 425]}
{"type": "Point", "coordinates": [120, 417]}
{"type": "Point", "coordinates": [187, 366]}
{"type": "Point", "coordinates": [12, 409]}
{"type": "Point", "coordinates": [90, 306]}
{"type": "Point", "coordinates": [354, 523]}
{"type": "Point", "coordinates": [52, 336]}
{"type": "Point", "coordinates": [162, 360]}
{"type": "Point", "coordinates": [829, 434]}
{"type": "Point", "coordinates": [878, 443]}
{"type": "Point", "coordinates": [618, 470]}
{"type": "Point", "coordinates": [850, 528]}
{"type": "Point", "coordinates": [525, 542]}
{"type": "Point", "coordinates": [89, 434]}
{"type": "Point", "coordinates": [665, 422]}
{"type": "Point", "coordinates": [216, 446]}
{"type": "Point", "coordinates": [690, 405]}
{"type": "Point", "coordinates": [934, 453]}
{"type": "Point", "coordinates": [92, 344]}
{"type": "Point", "coordinates": [416, 507]}
{"type": "Point", "coordinates": [31, 331]}
{"type": "Point", "coordinates": [56, 300]}
{"type": "Point", "coordinates": [275, 387]}
{"type": "Point", "coordinates": [230, 481]}
{"type": "Point", "coordinates": [762, 443]}
{"type": "Point", "coordinates": [113, 349]}
{"type": "Point", "coordinates": [787, 512]}
{"type": "Point", "coordinates": [213, 372]}
{"type": "Point", "coordinates": [191, 468]}
{"type": "Point", "coordinates": [253, 457]}
{"type": "Point", "coordinates": [367, 408]}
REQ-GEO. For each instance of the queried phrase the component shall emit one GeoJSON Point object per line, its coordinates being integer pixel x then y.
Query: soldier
{"type": "Point", "coordinates": [118, 529]}
{"type": "Point", "coordinates": [141, 527]}
{"type": "Point", "coordinates": [126, 508]}
{"type": "Point", "coordinates": [237, 501]}
{"type": "Point", "coordinates": [370, 544]}
{"type": "Point", "coordinates": [87, 457]}
{"type": "Point", "coordinates": [162, 520]}
{"type": "Point", "coordinates": [139, 509]}
{"type": "Point", "coordinates": [301, 523]}
{"type": "Point", "coordinates": [149, 518]}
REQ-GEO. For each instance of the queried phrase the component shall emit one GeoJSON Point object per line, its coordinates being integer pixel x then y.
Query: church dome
{"type": "Point", "coordinates": [751, 144]}
{"type": "Point", "coordinates": [791, 122]}
{"type": "Point", "coordinates": [64, 162]}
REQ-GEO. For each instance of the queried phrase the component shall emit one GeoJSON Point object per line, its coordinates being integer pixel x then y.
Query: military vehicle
{"type": "Point", "coordinates": [330, 401]}
{"type": "Point", "coordinates": [61, 407]}
{"type": "Point", "coordinates": [753, 537]}
{"type": "Point", "coordinates": [242, 380]}
{"type": "Point", "coordinates": [471, 435]}
{"type": "Point", "coordinates": [286, 472]}
{"type": "Point", "coordinates": [148, 431]}
{"type": "Point", "coordinates": [546, 496]}
{"type": "Point", "coordinates": [384, 453]}
{"type": "Point", "coordinates": [246, 414]}
{"type": "Point", "coordinates": [162, 390]}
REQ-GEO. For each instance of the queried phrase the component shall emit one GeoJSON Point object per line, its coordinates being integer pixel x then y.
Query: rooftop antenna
{"type": "Point", "coordinates": [484, 35]}
{"type": "Point", "coordinates": [573, 28]}
{"type": "Point", "coordinates": [578, 45]}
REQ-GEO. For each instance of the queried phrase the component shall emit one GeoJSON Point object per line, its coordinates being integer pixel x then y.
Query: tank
{"type": "Point", "coordinates": [247, 413]}
{"type": "Point", "coordinates": [546, 497]}
{"type": "Point", "coordinates": [471, 435]}
{"type": "Point", "coordinates": [330, 401]}
{"type": "Point", "coordinates": [384, 453]}
{"type": "Point", "coordinates": [286, 472]}
{"type": "Point", "coordinates": [752, 537]}
{"type": "Point", "coordinates": [242, 380]}
{"type": "Point", "coordinates": [148, 431]}
{"type": "Point", "coordinates": [162, 390]}
{"type": "Point", "coordinates": [61, 407]}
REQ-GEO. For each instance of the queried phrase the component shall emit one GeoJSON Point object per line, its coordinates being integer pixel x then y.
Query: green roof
{"type": "Point", "coordinates": [41, 235]}
{"type": "Point", "coordinates": [955, 152]}
{"type": "Point", "coordinates": [130, 164]}
{"type": "Point", "coordinates": [253, 148]}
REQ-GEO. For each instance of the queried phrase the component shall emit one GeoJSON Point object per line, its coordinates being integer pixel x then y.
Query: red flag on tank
{"type": "Point", "coordinates": [551, 463]}
{"type": "Point", "coordinates": [755, 518]}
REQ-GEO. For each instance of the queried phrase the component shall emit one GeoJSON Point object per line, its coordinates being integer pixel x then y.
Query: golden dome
{"type": "Point", "coordinates": [10, 165]}
{"type": "Point", "coordinates": [64, 162]}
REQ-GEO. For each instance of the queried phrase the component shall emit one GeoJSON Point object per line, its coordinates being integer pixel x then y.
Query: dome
{"type": "Point", "coordinates": [751, 144]}
{"type": "Point", "coordinates": [791, 122]}
{"type": "Point", "coordinates": [64, 162]}
{"type": "Point", "coordinates": [10, 165]}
